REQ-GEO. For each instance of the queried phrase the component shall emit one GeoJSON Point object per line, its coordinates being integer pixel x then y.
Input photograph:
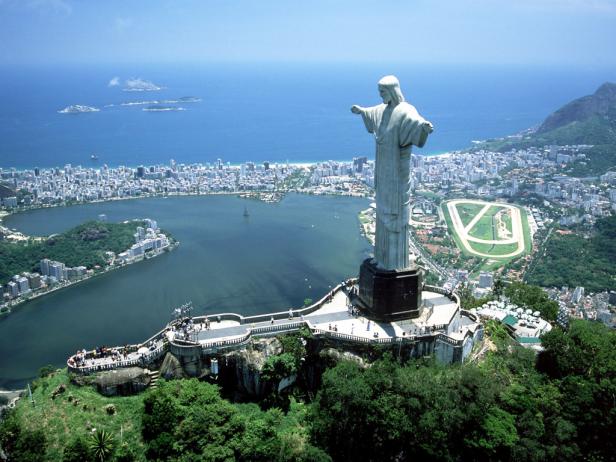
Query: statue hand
{"type": "Point", "coordinates": [428, 127]}
{"type": "Point", "coordinates": [355, 109]}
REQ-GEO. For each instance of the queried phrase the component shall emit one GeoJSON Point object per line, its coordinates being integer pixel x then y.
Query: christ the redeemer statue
{"type": "Point", "coordinates": [396, 126]}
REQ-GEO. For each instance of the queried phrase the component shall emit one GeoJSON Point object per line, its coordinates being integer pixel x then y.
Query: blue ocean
{"type": "Point", "coordinates": [259, 112]}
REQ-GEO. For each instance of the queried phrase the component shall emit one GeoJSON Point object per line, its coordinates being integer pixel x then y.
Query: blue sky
{"type": "Point", "coordinates": [570, 33]}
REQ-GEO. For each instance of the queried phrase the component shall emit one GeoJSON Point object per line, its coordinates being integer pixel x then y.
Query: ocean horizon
{"type": "Point", "coordinates": [273, 112]}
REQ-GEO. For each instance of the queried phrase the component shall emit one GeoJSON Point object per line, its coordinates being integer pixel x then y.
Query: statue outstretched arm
{"type": "Point", "coordinates": [369, 116]}
{"type": "Point", "coordinates": [426, 129]}
{"type": "Point", "coordinates": [355, 109]}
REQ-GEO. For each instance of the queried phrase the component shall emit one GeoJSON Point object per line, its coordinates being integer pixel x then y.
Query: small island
{"type": "Point", "coordinates": [161, 108]}
{"type": "Point", "coordinates": [32, 266]}
{"type": "Point", "coordinates": [78, 109]}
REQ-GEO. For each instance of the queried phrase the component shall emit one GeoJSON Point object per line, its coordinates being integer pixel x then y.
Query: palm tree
{"type": "Point", "coordinates": [101, 444]}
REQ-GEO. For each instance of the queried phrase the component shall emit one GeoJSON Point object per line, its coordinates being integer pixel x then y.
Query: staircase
{"type": "Point", "coordinates": [154, 375]}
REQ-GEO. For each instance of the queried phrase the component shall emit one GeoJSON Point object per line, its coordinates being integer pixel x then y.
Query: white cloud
{"type": "Point", "coordinates": [114, 82]}
{"type": "Point", "coordinates": [140, 85]}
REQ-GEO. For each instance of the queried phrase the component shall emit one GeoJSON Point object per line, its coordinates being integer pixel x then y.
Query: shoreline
{"type": "Point", "coordinates": [4, 214]}
{"type": "Point", "coordinates": [70, 284]}
{"type": "Point", "coordinates": [297, 163]}
{"type": "Point", "coordinates": [16, 303]}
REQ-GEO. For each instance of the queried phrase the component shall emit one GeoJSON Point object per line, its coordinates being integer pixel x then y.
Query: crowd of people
{"type": "Point", "coordinates": [106, 355]}
{"type": "Point", "coordinates": [84, 358]}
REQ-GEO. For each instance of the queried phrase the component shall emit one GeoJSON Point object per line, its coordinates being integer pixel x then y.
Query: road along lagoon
{"type": "Point", "coordinates": [271, 260]}
{"type": "Point", "coordinates": [488, 229]}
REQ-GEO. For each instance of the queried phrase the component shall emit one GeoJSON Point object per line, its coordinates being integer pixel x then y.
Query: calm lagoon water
{"type": "Point", "coordinates": [272, 260]}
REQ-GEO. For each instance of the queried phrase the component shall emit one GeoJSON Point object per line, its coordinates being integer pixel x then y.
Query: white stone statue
{"type": "Point", "coordinates": [396, 126]}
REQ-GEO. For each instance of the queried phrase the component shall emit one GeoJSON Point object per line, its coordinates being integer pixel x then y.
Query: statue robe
{"type": "Point", "coordinates": [395, 129]}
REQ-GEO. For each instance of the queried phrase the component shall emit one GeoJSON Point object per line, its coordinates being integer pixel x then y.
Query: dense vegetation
{"type": "Point", "coordinates": [513, 405]}
{"type": "Point", "coordinates": [504, 409]}
{"type": "Point", "coordinates": [188, 420]}
{"type": "Point", "coordinates": [524, 295]}
{"type": "Point", "coordinates": [183, 420]}
{"type": "Point", "coordinates": [532, 297]}
{"type": "Point", "coordinates": [571, 260]}
{"type": "Point", "coordinates": [84, 245]}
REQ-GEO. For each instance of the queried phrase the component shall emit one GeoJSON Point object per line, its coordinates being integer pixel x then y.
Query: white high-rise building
{"type": "Point", "coordinates": [23, 284]}
{"type": "Point", "coordinates": [486, 280]}
{"type": "Point", "coordinates": [57, 270]}
{"type": "Point", "coordinates": [578, 293]}
{"type": "Point", "coordinates": [45, 267]}
{"type": "Point", "coordinates": [13, 289]}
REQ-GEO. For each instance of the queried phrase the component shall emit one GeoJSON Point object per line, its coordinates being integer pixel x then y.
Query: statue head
{"type": "Point", "coordinates": [389, 89]}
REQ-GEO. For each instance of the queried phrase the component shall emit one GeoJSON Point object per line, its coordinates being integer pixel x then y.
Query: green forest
{"type": "Point", "coordinates": [84, 245]}
{"type": "Point", "coordinates": [571, 260]}
{"type": "Point", "coordinates": [513, 405]}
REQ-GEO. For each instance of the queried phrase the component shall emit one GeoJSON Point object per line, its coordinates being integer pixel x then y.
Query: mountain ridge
{"type": "Point", "coordinates": [601, 103]}
{"type": "Point", "coordinates": [588, 120]}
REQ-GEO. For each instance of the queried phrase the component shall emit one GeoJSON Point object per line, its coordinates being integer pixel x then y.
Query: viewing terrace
{"type": "Point", "coordinates": [333, 316]}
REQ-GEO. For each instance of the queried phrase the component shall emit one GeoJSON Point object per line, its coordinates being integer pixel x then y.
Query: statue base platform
{"type": "Point", "coordinates": [389, 295]}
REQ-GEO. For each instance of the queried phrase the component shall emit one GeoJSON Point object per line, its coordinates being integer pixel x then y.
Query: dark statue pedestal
{"type": "Point", "coordinates": [387, 295]}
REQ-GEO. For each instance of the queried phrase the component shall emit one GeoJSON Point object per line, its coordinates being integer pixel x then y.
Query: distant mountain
{"type": "Point", "coordinates": [587, 120]}
{"type": "Point", "coordinates": [600, 105]}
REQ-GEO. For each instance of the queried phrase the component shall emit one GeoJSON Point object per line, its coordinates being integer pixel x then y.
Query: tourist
{"type": "Point", "coordinates": [272, 320]}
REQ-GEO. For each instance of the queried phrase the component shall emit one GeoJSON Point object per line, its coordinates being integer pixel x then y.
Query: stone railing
{"type": "Point", "coordinates": [301, 311]}
{"type": "Point", "coordinates": [378, 340]}
{"type": "Point", "coordinates": [279, 315]}
{"type": "Point", "coordinates": [296, 325]}
{"type": "Point", "coordinates": [215, 344]}
{"type": "Point", "coordinates": [447, 293]}
{"type": "Point", "coordinates": [471, 316]}
{"type": "Point", "coordinates": [454, 342]}
{"type": "Point", "coordinates": [253, 332]}
{"type": "Point", "coordinates": [219, 317]}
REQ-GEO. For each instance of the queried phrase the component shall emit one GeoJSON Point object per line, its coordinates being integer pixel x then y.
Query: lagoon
{"type": "Point", "coordinates": [280, 255]}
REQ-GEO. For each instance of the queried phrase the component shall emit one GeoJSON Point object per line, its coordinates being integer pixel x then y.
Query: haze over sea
{"type": "Point", "coordinates": [298, 113]}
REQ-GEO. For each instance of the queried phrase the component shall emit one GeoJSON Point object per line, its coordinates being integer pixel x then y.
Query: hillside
{"type": "Point", "coordinates": [588, 120]}
{"type": "Point", "coordinates": [571, 260]}
{"type": "Point", "coordinates": [84, 245]}
{"type": "Point", "coordinates": [600, 105]}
